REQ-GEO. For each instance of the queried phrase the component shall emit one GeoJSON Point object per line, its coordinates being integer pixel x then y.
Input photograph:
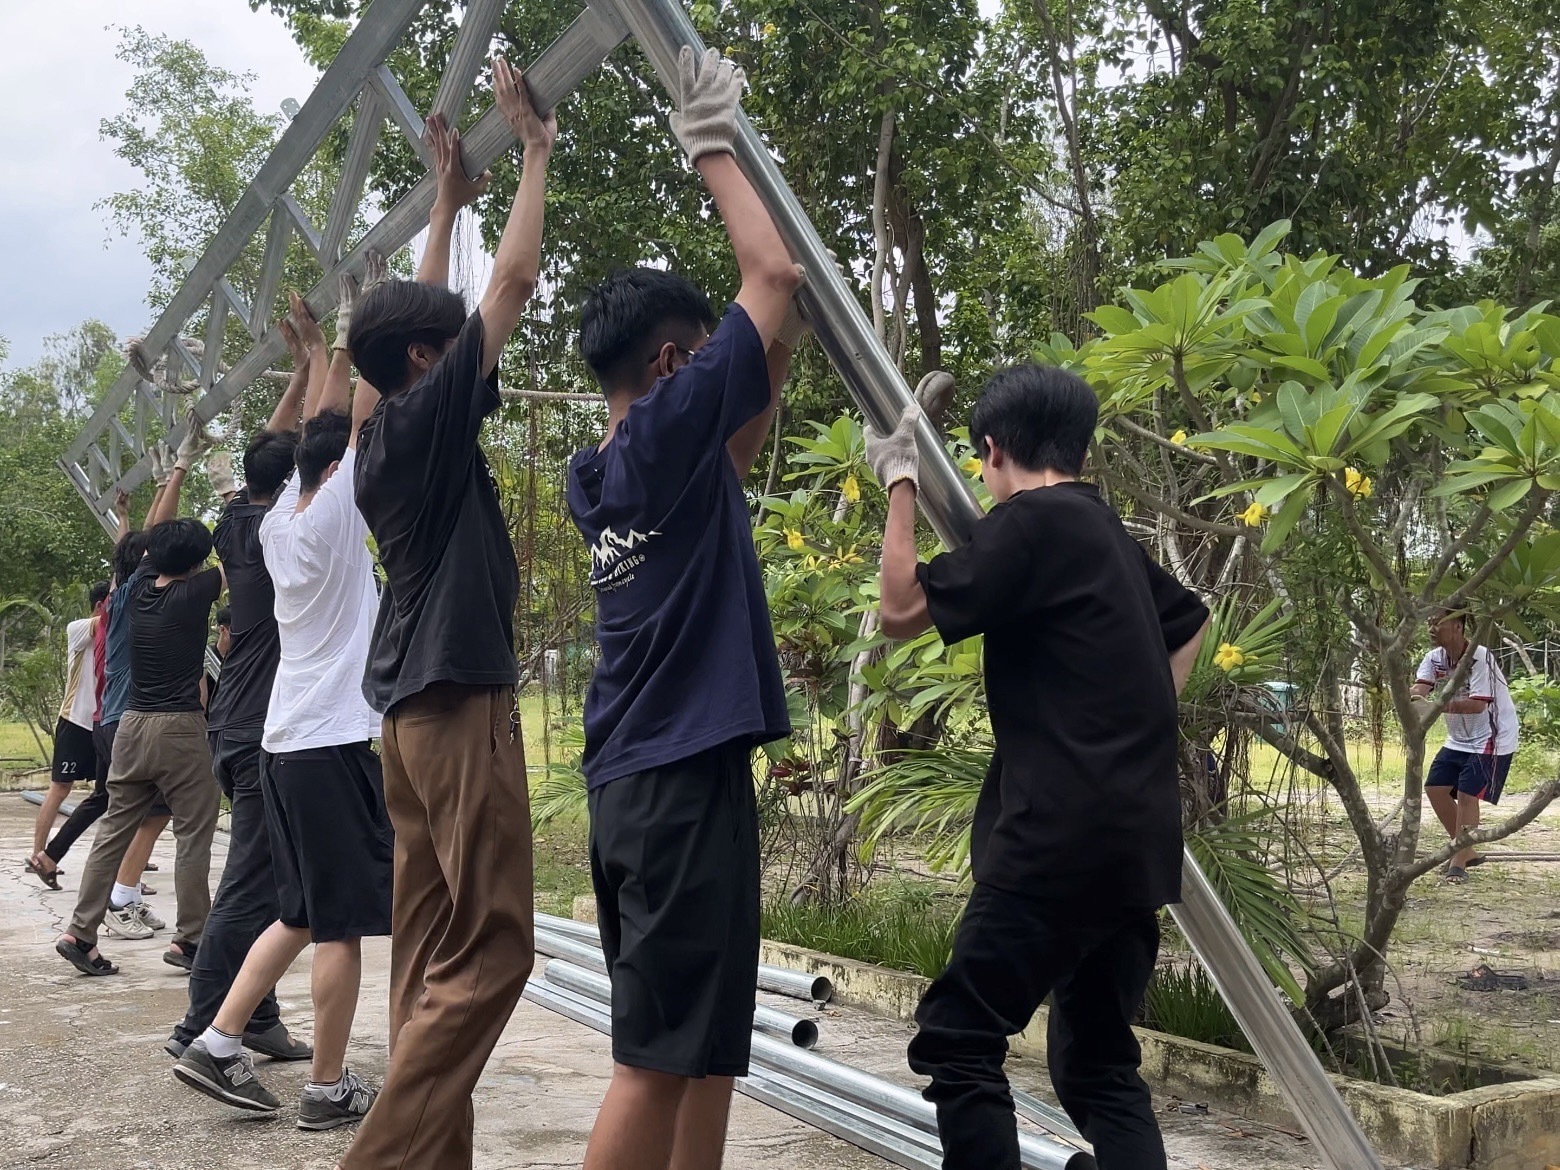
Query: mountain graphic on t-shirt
{"type": "Point", "coordinates": [611, 547]}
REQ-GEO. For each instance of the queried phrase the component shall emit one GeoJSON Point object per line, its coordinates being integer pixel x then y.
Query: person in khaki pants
{"type": "Point", "coordinates": [441, 668]}
{"type": "Point", "coordinates": [161, 742]}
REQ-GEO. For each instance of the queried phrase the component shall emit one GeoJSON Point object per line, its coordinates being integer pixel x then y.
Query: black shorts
{"type": "Point", "coordinates": [332, 847]}
{"type": "Point", "coordinates": [75, 756]}
{"type": "Point", "coordinates": [103, 748]}
{"type": "Point", "coordinates": [1471, 773]}
{"type": "Point", "coordinates": [674, 862]}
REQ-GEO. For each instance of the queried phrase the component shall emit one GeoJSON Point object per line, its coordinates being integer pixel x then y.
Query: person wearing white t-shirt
{"type": "Point", "coordinates": [332, 847]}
{"type": "Point", "coordinates": [1481, 733]}
{"type": "Point", "coordinates": [75, 757]}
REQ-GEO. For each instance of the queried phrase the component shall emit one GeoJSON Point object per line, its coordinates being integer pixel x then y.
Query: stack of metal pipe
{"type": "Point", "coordinates": [868, 1111]}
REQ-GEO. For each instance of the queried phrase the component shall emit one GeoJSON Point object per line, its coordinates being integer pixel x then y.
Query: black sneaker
{"type": "Point", "coordinates": [277, 1043]}
{"type": "Point", "coordinates": [318, 1110]}
{"type": "Point", "coordinates": [230, 1080]}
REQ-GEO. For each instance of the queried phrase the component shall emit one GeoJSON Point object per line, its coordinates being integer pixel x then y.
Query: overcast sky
{"type": "Point", "coordinates": [59, 80]}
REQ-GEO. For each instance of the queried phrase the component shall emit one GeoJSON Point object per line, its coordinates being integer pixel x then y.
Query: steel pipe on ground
{"type": "Point", "coordinates": [1040, 1152]}
{"type": "Point", "coordinates": [889, 1140]}
{"type": "Point", "coordinates": [800, 1032]}
{"type": "Point", "coordinates": [780, 980]}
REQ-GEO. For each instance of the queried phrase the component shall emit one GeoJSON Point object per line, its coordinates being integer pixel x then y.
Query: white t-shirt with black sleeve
{"type": "Point", "coordinates": [323, 574]}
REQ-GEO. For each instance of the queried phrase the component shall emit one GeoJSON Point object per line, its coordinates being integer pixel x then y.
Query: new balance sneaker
{"type": "Point", "coordinates": [230, 1080]}
{"type": "Point", "coordinates": [126, 923]}
{"type": "Point", "coordinates": [149, 917]}
{"type": "Point", "coordinates": [318, 1109]}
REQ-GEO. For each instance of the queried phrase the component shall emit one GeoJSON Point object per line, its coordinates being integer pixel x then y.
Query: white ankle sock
{"type": "Point", "coordinates": [221, 1045]}
{"type": "Point", "coordinates": [124, 895]}
{"type": "Point", "coordinates": [335, 1090]}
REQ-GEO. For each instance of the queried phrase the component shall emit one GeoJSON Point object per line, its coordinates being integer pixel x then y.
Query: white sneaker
{"type": "Point", "coordinates": [146, 914]}
{"type": "Point", "coordinates": [127, 923]}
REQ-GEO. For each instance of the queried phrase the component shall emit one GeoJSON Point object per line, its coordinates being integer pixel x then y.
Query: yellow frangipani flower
{"type": "Point", "coordinates": [1253, 515]}
{"type": "Point", "coordinates": [1360, 486]}
{"type": "Point", "coordinates": [1229, 656]}
{"type": "Point", "coordinates": [1256, 397]}
{"type": "Point", "coordinates": [850, 489]}
{"type": "Point", "coordinates": [769, 30]}
{"type": "Point", "coordinates": [971, 466]}
{"type": "Point", "coordinates": [793, 539]}
{"type": "Point", "coordinates": [1179, 438]}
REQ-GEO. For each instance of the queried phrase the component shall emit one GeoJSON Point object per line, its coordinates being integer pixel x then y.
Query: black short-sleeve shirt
{"type": "Point", "coordinates": [1080, 805]}
{"type": "Point", "coordinates": [250, 667]}
{"type": "Point", "coordinates": [168, 627]}
{"type": "Point", "coordinates": [447, 610]}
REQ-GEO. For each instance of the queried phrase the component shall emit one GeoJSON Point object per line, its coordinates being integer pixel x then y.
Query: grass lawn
{"type": "Point", "coordinates": [19, 750]}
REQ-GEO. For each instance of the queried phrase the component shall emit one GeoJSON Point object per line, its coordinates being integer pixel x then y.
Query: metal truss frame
{"type": "Point", "coordinates": [106, 457]}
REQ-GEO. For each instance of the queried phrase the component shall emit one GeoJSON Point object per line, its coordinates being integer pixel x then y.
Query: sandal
{"type": "Point", "coordinates": [79, 956]}
{"type": "Point", "coordinates": [175, 955]}
{"type": "Point", "coordinates": [150, 867]}
{"type": "Point", "coordinates": [50, 879]}
{"type": "Point", "coordinates": [1456, 875]}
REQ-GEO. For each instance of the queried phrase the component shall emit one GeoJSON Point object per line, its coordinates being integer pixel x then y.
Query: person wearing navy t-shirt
{"type": "Point", "coordinates": [688, 682]}
{"type": "Point", "coordinates": [1076, 841]}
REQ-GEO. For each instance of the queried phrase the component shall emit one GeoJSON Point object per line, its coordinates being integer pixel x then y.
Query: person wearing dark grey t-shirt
{"type": "Point", "coordinates": [441, 671]}
{"type": "Point", "coordinates": [1076, 841]}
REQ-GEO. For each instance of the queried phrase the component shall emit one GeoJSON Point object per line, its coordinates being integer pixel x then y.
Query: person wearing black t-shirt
{"type": "Point", "coordinates": [1076, 842]}
{"type": "Point", "coordinates": [246, 899]}
{"type": "Point", "coordinates": [442, 672]}
{"type": "Point", "coordinates": [160, 746]}
{"type": "Point", "coordinates": [688, 682]}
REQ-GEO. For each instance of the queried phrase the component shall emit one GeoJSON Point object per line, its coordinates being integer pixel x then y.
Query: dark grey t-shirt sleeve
{"type": "Point", "coordinates": [985, 582]}
{"type": "Point", "coordinates": [1181, 612]}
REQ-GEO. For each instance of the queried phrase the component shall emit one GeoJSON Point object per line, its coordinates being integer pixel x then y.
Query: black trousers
{"type": "Point", "coordinates": [245, 902]}
{"type": "Point", "coordinates": [1010, 952]}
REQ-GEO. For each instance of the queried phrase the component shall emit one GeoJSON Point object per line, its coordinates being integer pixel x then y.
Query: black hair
{"type": "Point", "coordinates": [1043, 417]}
{"type": "Point", "coordinates": [628, 317]}
{"type": "Point", "coordinates": [97, 595]}
{"type": "Point", "coordinates": [127, 555]}
{"type": "Point", "coordinates": [324, 442]}
{"type": "Point", "coordinates": [177, 546]}
{"type": "Point", "coordinates": [268, 461]}
{"type": "Point", "coordinates": [395, 315]}
{"type": "Point", "coordinates": [225, 617]}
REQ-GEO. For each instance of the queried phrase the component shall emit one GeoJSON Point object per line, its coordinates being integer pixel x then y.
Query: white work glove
{"type": "Point", "coordinates": [794, 328]}
{"type": "Point", "coordinates": [934, 392]}
{"type": "Point", "coordinates": [162, 465]}
{"type": "Point", "coordinates": [346, 298]}
{"type": "Point", "coordinates": [894, 456]}
{"type": "Point", "coordinates": [706, 118]}
{"type": "Point", "coordinates": [196, 443]}
{"type": "Point", "coordinates": [219, 473]}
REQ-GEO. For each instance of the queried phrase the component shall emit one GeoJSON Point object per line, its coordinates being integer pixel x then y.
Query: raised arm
{"type": "Point", "coordinates": [364, 399]}
{"type": "Point", "coordinates": [745, 446]}
{"type": "Point", "coordinates": [896, 461]}
{"type": "Point", "coordinates": [706, 125]}
{"type": "Point", "coordinates": [517, 263]}
{"type": "Point", "coordinates": [122, 514]}
{"type": "Point", "coordinates": [455, 191]}
{"type": "Point", "coordinates": [285, 417]}
{"type": "Point", "coordinates": [311, 337]}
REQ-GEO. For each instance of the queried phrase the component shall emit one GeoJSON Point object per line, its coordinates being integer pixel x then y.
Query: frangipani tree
{"type": "Point", "coordinates": [1297, 432]}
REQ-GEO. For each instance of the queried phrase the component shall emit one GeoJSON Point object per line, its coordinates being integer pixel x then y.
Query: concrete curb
{"type": "Point", "coordinates": [1513, 1126]}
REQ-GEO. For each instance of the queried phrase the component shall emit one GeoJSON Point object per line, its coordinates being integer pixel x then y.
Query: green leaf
{"type": "Point", "coordinates": [1504, 497]}
{"type": "Point", "coordinates": [1284, 521]}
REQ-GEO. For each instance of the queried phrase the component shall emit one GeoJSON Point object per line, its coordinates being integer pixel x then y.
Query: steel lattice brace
{"type": "Point", "coordinates": [108, 457]}
{"type": "Point", "coordinates": [661, 28]}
